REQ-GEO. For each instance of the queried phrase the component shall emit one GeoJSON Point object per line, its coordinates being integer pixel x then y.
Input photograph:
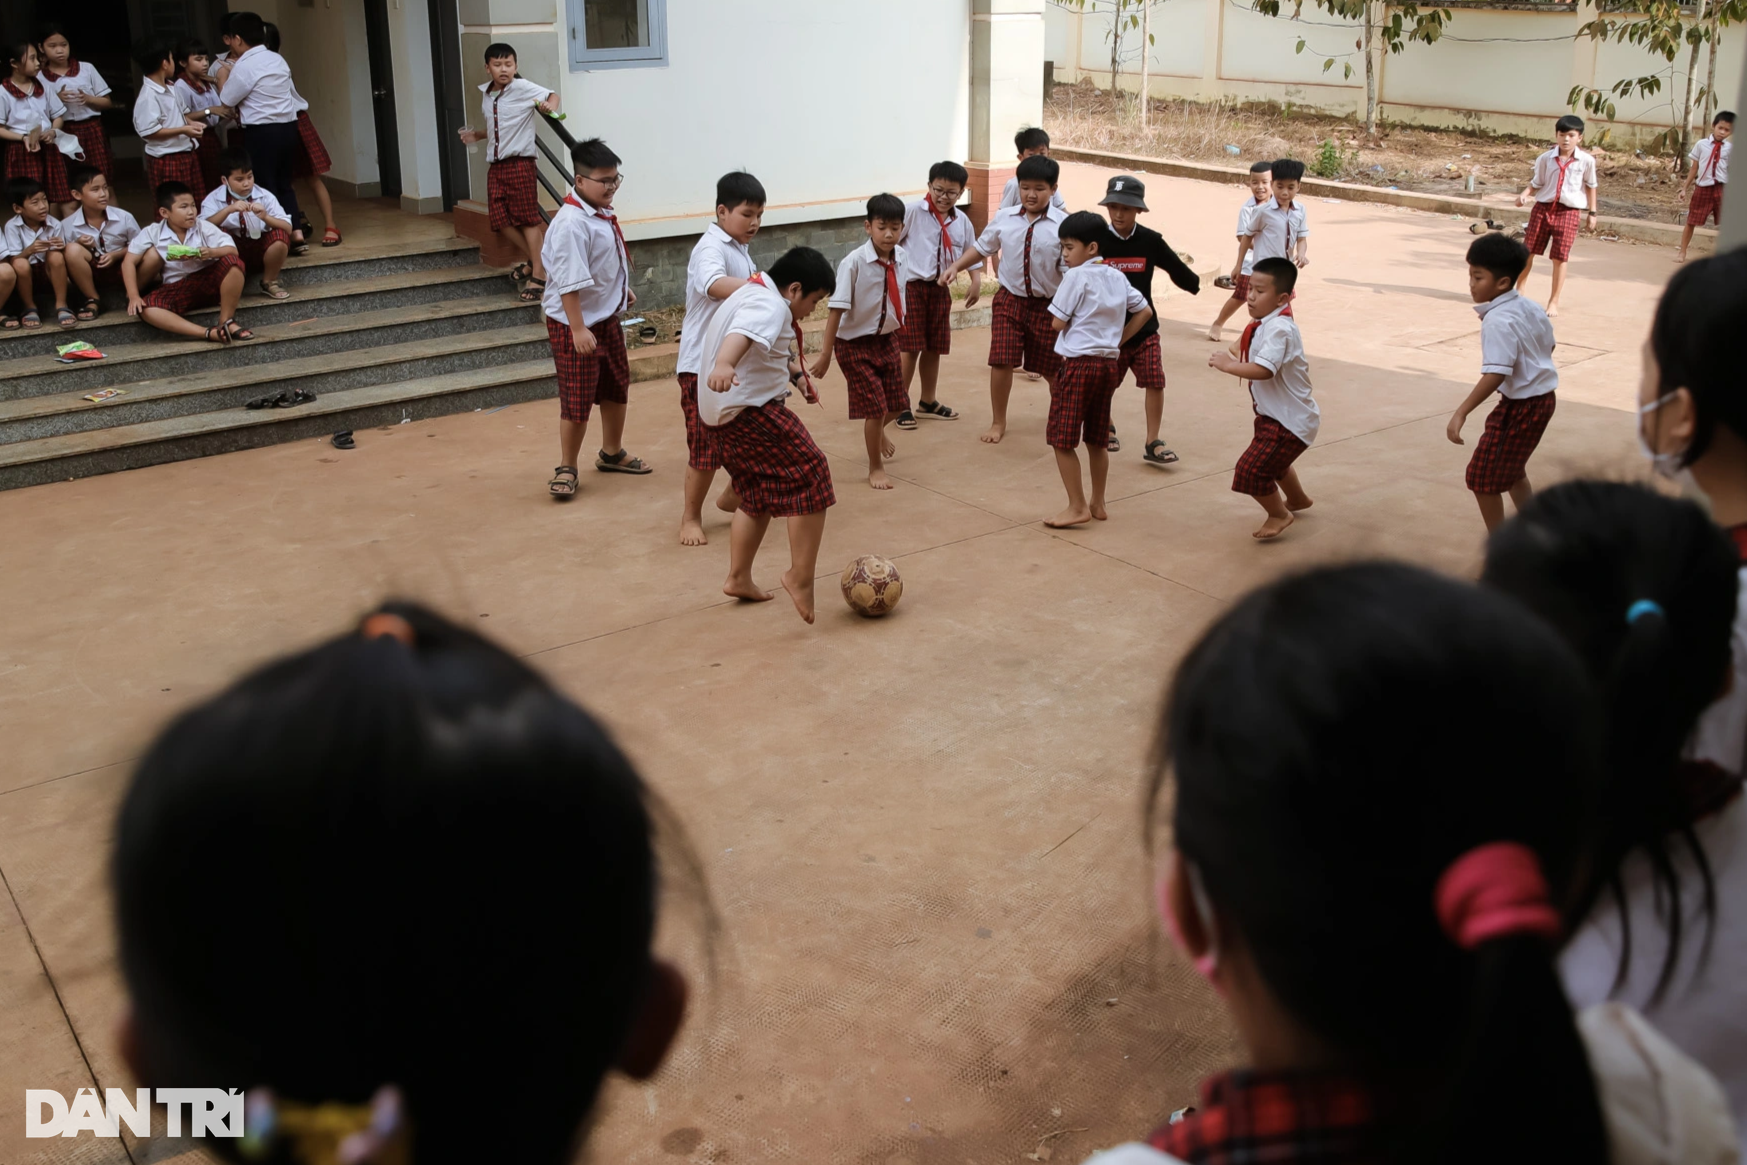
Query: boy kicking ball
{"type": "Point", "coordinates": [1270, 356]}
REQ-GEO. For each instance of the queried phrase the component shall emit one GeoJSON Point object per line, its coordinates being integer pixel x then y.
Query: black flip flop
{"type": "Point", "coordinates": [344, 440]}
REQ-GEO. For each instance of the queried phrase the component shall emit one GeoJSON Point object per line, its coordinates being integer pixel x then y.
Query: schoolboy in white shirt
{"type": "Point", "coordinates": [97, 235]}
{"type": "Point", "coordinates": [1563, 183]}
{"type": "Point", "coordinates": [935, 235]}
{"type": "Point", "coordinates": [170, 135]}
{"type": "Point", "coordinates": [1270, 357]}
{"type": "Point", "coordinates": [256, 83]}
{"type": "Point", "coordinates": [512, 191]}
{"type": "Point", "coordinates": [1516, 362]}
{"type": "Point", "coordinates": [1706, 178]}
{"type": "Point", "coordinates": [197, 91]}
{"type": "Point", "coordinates": [1261, 190]}
{"type": "Point", "coordinates": [34, 251]}
{"type": "Point", "coordinates": [210, 275]}
{"type": "Point", "coordinates": [252, 217]}
{"type": "Point", "coordinates": [1096, 311]}
{"type": "Point", "coordinates": [1278, 227]}
{"type": "Point", "coordinates": [1031, 142]}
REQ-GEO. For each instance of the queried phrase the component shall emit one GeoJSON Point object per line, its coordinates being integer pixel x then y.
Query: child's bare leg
{"type": "Point", "coordinates": [57, 265]}
{"type": "Point", "coordinates": [1296, 498]}
{"type": "Point", "coordinates": [230, 293]}
{"type": "Point", "coordinates": [806, 531]}
{"type": "Point", "coordinates": [1491, 510]}
{"type": "Point", "coordinates": [26, 282]}
{"type": "Point", "coordinates": [165, 320]}
{"type": "Point", "coordinates": [1098, 461]}
{"type": "Point", "coordinates": [513, 236]}
{"type": "Point", "coordinates": [1279, 517]}
{"type": "Point", "coordinates": [570, 435]}
{"type": "Point", "coordinates": [1558, 286]}
{"type": "Point", "coordinates": [930, 366]}
{"type": "Point", "coordinates": [744, 536]}
{"type": "Point", "coordinates": [535, 239]}
{"type": "Point", "coordinates": [79, 270]}
{"type": "Point", "coordinates": [324, 201]}
{"type": "Point", "coordinates": [273, 261]}
{"type": "Point", "coordinates": [612, 428]}
{"type": "Point", "coordinates": [728, 501]}
{"type": "Point", "coordinates": [1155, 413]}
{"type": "Point", "coordinates": [1067, 463]}
{"type": "Point", "coordinates": [1522, 281]}
{"type": "Point", "coordinates": [1226, 309]}
{"type": "Point", "coordinates": [8, 279]}
{"type": "Point", "coordinates": [874, 433]}
{"type": "Point", "coordinates": [1520, 493]}
{"type": "Point", "coordinates": [1685, 241]}
{"type": "Point", "coordinates": [691, 520]}
{"type": "Point", "coordinates": [151, 266]}
{"type": "Point", "coordinates": [1000, 389]}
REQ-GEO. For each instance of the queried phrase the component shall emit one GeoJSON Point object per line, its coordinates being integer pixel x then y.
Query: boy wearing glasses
{"type": "Point", "coordinates": [935, 235]}
{"type": "Point", "coordinates": [588, 286]}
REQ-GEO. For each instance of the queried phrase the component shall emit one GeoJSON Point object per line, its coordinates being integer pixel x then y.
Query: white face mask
{"type": "Point", "coordinates": [1665, 464]}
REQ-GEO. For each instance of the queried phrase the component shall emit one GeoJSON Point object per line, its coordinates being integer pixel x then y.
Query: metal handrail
{"type": "Point", "coordinates": [558, 191]}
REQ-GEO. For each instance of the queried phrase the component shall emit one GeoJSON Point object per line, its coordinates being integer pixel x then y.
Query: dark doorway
{"type": "Point", "coordinates": [451, 99]}
{"type": "Point", "coordinates": [382, 96]}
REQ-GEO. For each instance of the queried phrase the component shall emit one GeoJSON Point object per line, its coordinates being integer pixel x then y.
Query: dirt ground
{"type": "Point", "coordinates": [1633, 185]}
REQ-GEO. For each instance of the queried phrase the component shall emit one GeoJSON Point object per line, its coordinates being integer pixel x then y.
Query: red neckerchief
{"type": "Point", "coordinates": [1710, 166]}
{"type": "Point", "coordinates": [943, 255]}
{"type": "Point", "coordinates": [807, 389]}
{"type": "Point", "coordinates": [1559, 186]}
{"type": "Point", "coordinates": [607, 213]}
{"type": "Point", "coordinates": [72, 71]}
{"type": "Point", "coordinates": [1289, 1118]}
{"type": "Point", "coordinates": [1250, 331]}
{"type": "Point", "coordinates": [894, 293]}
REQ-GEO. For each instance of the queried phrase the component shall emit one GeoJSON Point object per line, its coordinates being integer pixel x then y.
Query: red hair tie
{"type": "Point", "coordinates": [386, 625]}
{"type": "Point", "coordinates": [1493, 890]}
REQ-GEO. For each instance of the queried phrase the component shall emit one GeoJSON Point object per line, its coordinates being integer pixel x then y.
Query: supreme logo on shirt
{"type": "Point", "coordinates": [1131, 265]}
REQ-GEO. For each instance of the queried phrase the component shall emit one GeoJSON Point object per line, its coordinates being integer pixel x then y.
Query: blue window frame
{"type": "Point", "coordinates": [617, 34]}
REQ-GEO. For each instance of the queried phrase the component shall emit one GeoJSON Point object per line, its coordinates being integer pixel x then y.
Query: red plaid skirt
{"type": "Point", "coordinates": [95, 143]}
{"type": "Point", "coordinates": [584, 381]}
{"type": "Point", "coordinates": [253, 252]}
{"type": "Point", "coordinates": [1558, 226]}
{"type": "Point", "coordinates": [928, 324]}
{"type": "Point", "coordinates": [1079, 402]}
{"type": "Point", "coordinates": [48, 166]}
{"type": "Point", "coordinates": [207, 153]}
{"type": "Point", "coordinates": [312, 156]}
{"type": "Point", "coordinates": [183, 167]}
{"type": "Point", "coordinates": [875, 373]}
{"type": "Point", "coordinates": [1142, 356]}
{"type": "Point", "coordinates": [1513, 429]}
{"type": "Point", "coordinates": [193, 292]}
{"type": "Point", "coordinates": [1240, 289]}
{"type": "Point", "coordinates": [1022, 335]}
{"type": "Point", "coordinates": [1271, 453]}
{"type": "Point", "coordinates": [773, 463]}
{"type": "Point", "coordinates": [1707, 202]}
{"type": "Point", "coordinates": [512, 193]}
{"type": "Point", "coordinates": [700, 446]}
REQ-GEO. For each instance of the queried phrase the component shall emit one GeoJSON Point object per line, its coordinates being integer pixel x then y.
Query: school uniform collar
{"type": "Point", "coordinates": [1130, 236]}
{"type": "Point", "coordinates": [254, 48]}
{"type": "Point", "coordinates": [72, 71]}
{"type": "Point", "coordinates": [486, 88]}
{"type": "Point", "coordinates": [156, 86]}
{"type": "Point", "coordinates": [867, 254]}
{"type": "Point", "coordinates": [1274, 204]}
{"type": "Point", "coordinates": [1276, 313]}
{"type": "Point", "coordinates": [714, 231]}
{"type": "Point", "coordinates": [1051, 211]}
{"type": "Point", "coordinates": [110, 214]}
{"type": "Point", "coordinates": [1480, 309]}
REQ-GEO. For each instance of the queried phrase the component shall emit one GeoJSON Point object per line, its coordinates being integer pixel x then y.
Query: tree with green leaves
{"type": "Point", "coordinates": [1126, 16]}
{"type": "Point", "coordinates": [1383, 27]}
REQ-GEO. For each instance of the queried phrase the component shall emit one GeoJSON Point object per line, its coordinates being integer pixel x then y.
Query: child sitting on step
{"type": "Point", "coordinates": [195, 266]}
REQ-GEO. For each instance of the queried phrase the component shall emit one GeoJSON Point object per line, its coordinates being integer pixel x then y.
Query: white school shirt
{"type": "Point", "coordinates": [162, 238]}
{"type": "Point", "coordinates": [1579, 175]}
{"type": "Point", "coordinates": [929, 252]}
{"type": "Point", "coordinates": [83, 79]}
{"type": "Point", "coordinates": [1010, 196]}
{"type": "Point", "coordinates": [1285, 396]}
{"type": "Point", "coordinates": [1096, 300]}
{"type": "Point", "coordinates": [117, 231]}
{"type": "Point", "coordinates": [1709, 175]}
{"type": "Point", "coordinates": [715, 256]}
{"type": "Point", "coordinates": [259, 88]}
{"type": "Point", "coordinates": [582, 254]}
{"type": "Point", "coordinates": [156, 108]}
{"type": "Point", "coordinates": [24, 112]}
{"type": "Point", "coordinates": [757, 312]}
{"type": "Point", "coordinates": [19, 235]}
{"type": "Point", "coordinates": [1006, 234]}
{"type": "Point", "coordinates": [1246, 217]}
{"type": "Point", "coordinates": [861, 293]}
{"type": "Point", "coordinates": [509, 118]}
{"type": "Point", "coordinates": [246, 222]}
{"type": "Point", "coordinates": [1516, 342]}
{"type": "Point", "coordinates": [195, 98]}
{"type": "Point", "coordinates": [1274, 232]}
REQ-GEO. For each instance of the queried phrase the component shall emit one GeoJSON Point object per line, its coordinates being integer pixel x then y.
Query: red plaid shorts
{"type": "Point", "coordinates": [773, 463]}
{"type": "Point", "coordinates": [1558, 226]}
{"type": "Point", "coordinates": [1271, 453]}
{"type": "Point", "coordinates": [512, 193]}
{"type": "Point", "coordinates": [1707, 202]}
{"type": "Point", "coordinates": [875, 373]}
{"type": "Point", "coordinates": [1240, 289]}
{"type": "Point", "coordinates": [585, 381]}
{"type": "Point", "coordinates": [48, 166]}
{"type": "Point", "coordinates": [700, 445]}
{"type": "Point", "coordinates": [1142, 356]}
{"type": "Point", "coordinates": [253, 252]}
{"type": "Point", "coordinates": [95, 143]}
{"type": "Point", "coordinates": [207, 152]}
{"type": "Point", "coordinates": [183, 167]}
{"type": "Point", "coordinates": [1079, 402]}
{"type": "Point", "coordinates": [312, 156]}
{"type": "Point", "coordinates": [928, 324]}
{"type": "Point", "coordinates": [1513, 429]}
{"type": "Point", "coordinates": [193, 292]}
{"type": "Point", "coordinates": [1022, 335]}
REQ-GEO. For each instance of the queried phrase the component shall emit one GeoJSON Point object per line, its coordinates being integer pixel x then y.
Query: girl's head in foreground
{"type": "Point", "coordinates": [397, 859]}
{"type": "Point", "coordinates": [1692, 409]}
{"type": "Point", "coordinates": [1380, 785]}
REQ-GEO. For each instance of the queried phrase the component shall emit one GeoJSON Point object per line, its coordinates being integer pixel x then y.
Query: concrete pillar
{"type": "Point", "coordinates": [1732, 230]}
{"type": "Point", "coordinates": [1006, 93]}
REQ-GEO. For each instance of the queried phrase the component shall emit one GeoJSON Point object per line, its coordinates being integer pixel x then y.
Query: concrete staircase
{"type": "Point", "coordinates": [379, 334]}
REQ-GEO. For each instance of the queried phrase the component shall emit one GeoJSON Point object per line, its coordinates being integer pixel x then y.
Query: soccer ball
{"type": "Point", "coordinates": [871, 585]}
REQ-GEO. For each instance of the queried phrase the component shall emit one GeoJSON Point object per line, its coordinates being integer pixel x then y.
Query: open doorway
{"type": "Point", "coordinates": [382, 96]}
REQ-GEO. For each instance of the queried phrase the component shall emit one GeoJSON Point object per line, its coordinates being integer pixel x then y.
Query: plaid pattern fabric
{"type": "Point", "coordinates": [312, 156]}
{"type": "Point", "coordinates": [700, 445]}
{"type": "Point", "coordinates": [773, 463]}
{"type": "Point", "coordinates": [585, 381]}
{"type": "Point", "coordinates": [48, 166]}
{"type": "Point", "coordinates": [195, 291]}
{"type": "Point", "coordinates": [512, 194]}
{"type": "Point", "coordinates": [1240, 289]}
{"type": "Point", "coordinates": [1079, 402]}
{"type": "Point", "coordinates": [207, 153]}
{"type": "Point", "coordinates": [95, 143]}
{"type": "Point", "coordinates": [1555, 225]}
{"type": "Point", "coordinates": [875, 373]}
{"type": "Point", "coordinates": [1021, 336]}
{"type": "Point", "coordinates": [253, 252]}
{"type": "Point", "coordinates": [1143, 356]}
{"type": "Point", "coordinates": [1513, 429]}
{"type": "Point", "coordinates": [928, 322]}
{"type": "Point", "coordinates": [1285, 1118]}
{"type": "Point", "coordinates": [1271, 453]}
{"type": "Point", "coordinates": [1707, 202]}
{"type": "Point", "coordinates": [183, 167]}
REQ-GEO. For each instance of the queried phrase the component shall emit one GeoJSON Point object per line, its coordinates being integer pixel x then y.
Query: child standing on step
{"type": "Point", "coordinates": [30, 116]}
{"type": "Point", "coordinates": [309, 162]}
{"type": "Point", "coordinates": [97, 235]}
{"type": "Point", "coordinates": [34, 249]}
{"type": "Point", "coordinates": [935, 235]}
{"type": "Point", "coordinates": [253, 218]}
{"type": "Point", "coordinates": [199, 96]}
{"type": "Point", "coordinates": [511, 102]}
{"type": "Point", "coordinates": [84, 94]}
{"type": "Point", "coordinates": [169, 131]}
{"type": "Point", "coordinates": [1563, 183]}
{"type": "Point", "coordinates": [198, 267]}
{"type": "Point", "coordinates": [1261, 189]}
{"type": "Point", "coordinates": [1706, 177]}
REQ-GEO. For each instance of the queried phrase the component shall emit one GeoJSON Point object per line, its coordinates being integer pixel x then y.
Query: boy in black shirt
{"type": "Point", "coordinates": [1137, 252]}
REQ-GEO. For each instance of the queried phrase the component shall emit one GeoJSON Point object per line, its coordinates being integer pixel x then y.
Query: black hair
{"type": "Point", "coordinates": [1039, 168]}
{"type": "Point", "coordinates": [1568, 122]}
{"type": "Point", "coordinates": [150, 56]}
{"type": "Point", "coordinates": [234, 158]}
{"type": "Point", "coordinates": [79, 174]}
{"type": "Point", "coordinates": [16, 48]}
{"type": "Point", "coordinates": [21, 189]}
{"type": "Point", "coordinates": [805, 266]}
{"type": "Point", "coordinates": [1085, 226]}
{"type": "Point", "coordinates": [1283, 271]}
{"type": "Point", "coordinates": [189, 47]}
{"type": "Point", "coordinates": [1723, 115]}
{"type": "Point", "coordinates": [737, 188]}
{"type": "Point", "coordinates": [1582, 555]}
{"type": "Point", "coordinates": [888, 207]}
{"type": "Point", "coordinates": [1032, 137]}
{"type": "Point", "coordinates": [1320, 795]}
{"type": "Point", "coordinates": [1262, 167]}
{"type": "Point", "coordinates": [592, 154]}
{"type": "Point", "coordinates": [1287, 170]}
{"type": "Point", "coordinates": [270, 36]}
{"type": "Point", "coordinates": [1500, 254]}
{"type": "Point", "coordinates": [227, 24]}
{"type": "Point", "coordinates": [318, 868]}
{"type": "Point", "coordinates": [249, 28]}
{"type": "Point", "coordinates": [169, 192]}
{"type": "Point", "coordinates": [1692, 337]}
{"type": "Point", "coordinates": [497, 51]}
{"type": "Point", "coordinates": [51, 29]}
{"type": "Point", "coordinates": [951, 172]}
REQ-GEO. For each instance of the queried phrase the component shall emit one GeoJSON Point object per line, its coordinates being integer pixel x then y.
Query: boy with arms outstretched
{"type": "Point", "coordinates": [935, 235]}
{"type": "Point", "coordinates": [776, 468]}
{"type": "Point", "coordinates": [1261, 189]}
{"type": "Point", "coordinates": [509, 103]}
{"type": "Point", "coordinates": [1563, 183]}
{"type": "Point", "coordinates": [1706, 177]}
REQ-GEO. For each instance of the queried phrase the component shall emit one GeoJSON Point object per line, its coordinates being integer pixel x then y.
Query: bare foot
{"type": "Point", "coordinates": [1068, 517]}
{"type": "Point", "coordinates": [1099, 512]}
{"type": "Point", "coordinates": [1680, 258]}
{"type": "Point", "coordinates": [1214, 334]}
{"type": "Point", "coordinates": [1552, 310]}
{"type": "Point", "coordinates": [1299, 504]}
{"type": "Point", "coordinates": [887, 449]}
{"type": "Point", "coordinates": [744, 588]}
{"type": "Point", "coordinates": [878, 479]}
{"type": "Point", "coordinates": [801, 592]}
{"type": "Point", "coordinates": [994, 435]}
{"type": "Point", "coordinates": [691, 533]}
{"type": "Point", "coordinates": [1030, 375]}
{"type": "Point", "coordinates": [728, 501]}
{"type": "Point", "coordinates": [1273, 528]}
